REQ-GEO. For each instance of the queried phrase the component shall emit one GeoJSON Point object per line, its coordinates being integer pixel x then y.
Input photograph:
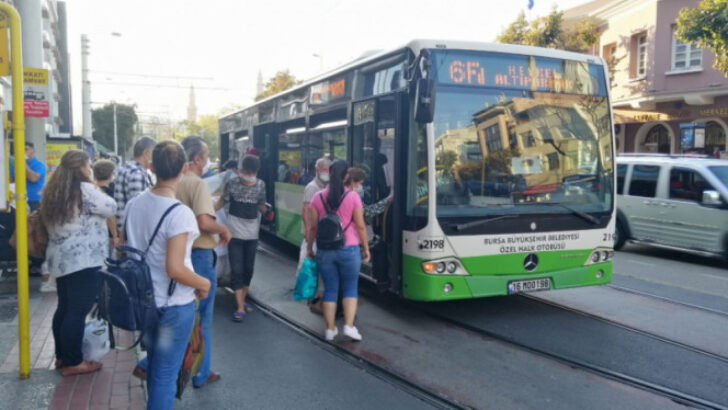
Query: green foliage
{"type": "Point", "coordinates": [103, 126]}
{"type": "Point", "coordinates": [549, 32]}
{"type": "Point", "coordinates": [707, 27]}
{"type": "Point", "coordinates": [447, 159]}
{"type": "Point", "coordinates": [282, 81]}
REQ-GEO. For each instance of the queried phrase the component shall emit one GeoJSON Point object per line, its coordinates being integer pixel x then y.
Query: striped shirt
{"type": "Point", "coordinates": [131, 180]}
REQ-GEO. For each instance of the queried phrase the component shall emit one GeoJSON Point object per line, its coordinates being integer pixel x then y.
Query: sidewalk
{"type": "Point", "coordinates": [113, 387]}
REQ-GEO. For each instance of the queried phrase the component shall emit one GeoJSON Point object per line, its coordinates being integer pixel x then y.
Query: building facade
{"type": "Point", "coordinates": [658, 83]}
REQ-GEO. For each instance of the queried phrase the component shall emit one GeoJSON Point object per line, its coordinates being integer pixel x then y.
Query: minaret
{"type": "Point", "coordinates": [191, 107]}
{"type": "Point", "coordinates": [260, 86]}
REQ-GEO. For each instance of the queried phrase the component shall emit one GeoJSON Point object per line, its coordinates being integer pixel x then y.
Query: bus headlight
{"type": "Point", "coordinates": [446, 266]}
{"type": "Point", "coordinates": [600, 255]}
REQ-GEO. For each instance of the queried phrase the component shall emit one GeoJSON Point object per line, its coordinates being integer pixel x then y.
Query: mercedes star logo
{"type": "Point", "coordinates": [530, 262]}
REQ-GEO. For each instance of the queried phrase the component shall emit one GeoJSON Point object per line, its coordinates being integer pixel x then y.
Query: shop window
{"type": "Point", "coordinates": [644, 180]}
{"type": "Point", "coordinates": [685, 56]}
{"type": "Point", "coordinates": [657, 140]}
{"type": "Point", "coordinates": [715, 140]}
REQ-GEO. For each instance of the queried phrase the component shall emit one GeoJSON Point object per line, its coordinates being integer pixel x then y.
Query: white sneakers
{"type": "Point", "coordinates": [331, 334]}
{"type": "Point", "coordinates": [48, 286]}
{"type": "Point", "coordinates": [352, 333]}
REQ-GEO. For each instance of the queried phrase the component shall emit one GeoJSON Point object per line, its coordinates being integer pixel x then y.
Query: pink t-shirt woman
{"type": "Point", "coordinates": [351, 202]}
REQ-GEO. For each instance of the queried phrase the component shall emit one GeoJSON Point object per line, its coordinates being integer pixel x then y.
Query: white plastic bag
{"type": "Point", "coordinates": [95, 340]}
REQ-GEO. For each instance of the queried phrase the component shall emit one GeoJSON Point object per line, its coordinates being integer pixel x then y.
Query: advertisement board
{"type": "Point", "coordinates": [35, 92]}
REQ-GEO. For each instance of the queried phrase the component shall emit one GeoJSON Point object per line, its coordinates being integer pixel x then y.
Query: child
{"type": "Point", "coordinates": [244, 201]}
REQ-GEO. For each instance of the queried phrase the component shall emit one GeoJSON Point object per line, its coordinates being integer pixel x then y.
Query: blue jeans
{"type": "Point", "coordinates": [339, 268]}
{"type": "Point", "coordinates": [166, 353]}
{"type": "Point", "coordinates": [203, 262]}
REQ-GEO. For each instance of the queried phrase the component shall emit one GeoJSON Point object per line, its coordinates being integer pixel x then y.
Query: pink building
{"type": "Point", "coordinates": [657, 82]}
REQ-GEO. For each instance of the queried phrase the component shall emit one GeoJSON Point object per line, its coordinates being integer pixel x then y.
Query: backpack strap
{"type": "Point", "coordinates": [328, 209]}
{"type": "Point", "coordinates": [159, 225]}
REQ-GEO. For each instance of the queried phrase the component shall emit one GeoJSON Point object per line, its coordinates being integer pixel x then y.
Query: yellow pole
{"type": "Point", "coordinates": [21, 201]}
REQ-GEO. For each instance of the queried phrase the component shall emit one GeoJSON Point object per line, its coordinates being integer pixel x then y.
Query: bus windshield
{"type": "Point", "coordinates": [513, 130]}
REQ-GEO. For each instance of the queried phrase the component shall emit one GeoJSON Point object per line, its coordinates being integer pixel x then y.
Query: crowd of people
{"type": "Point", "coordinates": [90, 208]}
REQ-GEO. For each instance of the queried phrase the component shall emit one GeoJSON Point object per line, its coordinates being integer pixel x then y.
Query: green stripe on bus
{"type": "Point", "coordinates": [288, 226]}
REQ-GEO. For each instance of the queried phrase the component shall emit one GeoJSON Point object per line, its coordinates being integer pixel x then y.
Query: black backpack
{"type": "Point", "coordinates": [126, 300]}
{"type": "Point", "coordinates": [330, 233]}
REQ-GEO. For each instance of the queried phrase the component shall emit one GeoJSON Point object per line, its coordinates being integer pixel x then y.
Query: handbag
{"type": "Point", "coordinates": [194, 353]}
{"type": "Point", "coordinates": [307, 281]}
{"type": "Point", "coordinates": [96, 341]}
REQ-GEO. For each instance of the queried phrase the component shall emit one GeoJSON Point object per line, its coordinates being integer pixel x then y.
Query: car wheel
{"type": "Point", "coordinates": [620, 236]}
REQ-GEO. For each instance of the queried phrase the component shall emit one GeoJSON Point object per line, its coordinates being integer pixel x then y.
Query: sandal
{"type": "Point", "coordinates": [248, 308]}
{"type": "Point", "coordinates": [238, 316]}
{"type": "Point", "coordinates": [81, 368]}
{"type": "Point", "coordinates": [210, 379]}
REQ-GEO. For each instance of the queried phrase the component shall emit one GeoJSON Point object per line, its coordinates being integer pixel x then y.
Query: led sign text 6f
{"type": "Point", "coordinates": [467, 72]}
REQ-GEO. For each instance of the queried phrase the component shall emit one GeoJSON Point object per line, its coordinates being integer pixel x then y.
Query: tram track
{"type": "Point", "coordinates": [559, 344]}
{"type": "Point", "coordinates": [592, 366]}
{"type": "Point", "coordinates": [417, 390]}
{"type": "Point", "coordinates": [666, 299]}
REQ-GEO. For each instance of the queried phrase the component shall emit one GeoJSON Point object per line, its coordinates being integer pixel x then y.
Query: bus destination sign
{"type": "Point", "coordinates": [329, 91]}
{"type": "Point", "coordinates": [513, 72]}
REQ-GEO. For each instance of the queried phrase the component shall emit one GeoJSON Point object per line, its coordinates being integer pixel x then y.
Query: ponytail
{"type": "Point", "coordinates": [337, 173]}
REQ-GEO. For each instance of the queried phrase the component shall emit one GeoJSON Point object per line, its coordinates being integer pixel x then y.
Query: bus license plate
{"type": "Point", "coordinates": [532, 285]}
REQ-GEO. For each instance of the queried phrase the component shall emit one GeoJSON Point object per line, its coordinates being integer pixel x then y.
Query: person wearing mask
{"type": "Point", "coordinates": [339, 268]}
{"type": "Point", "coordinates": [169, 259]}
{"type": "Point", "coordinates": [317, 184]}
{"type": "Point", "coordinates": [355, 181]}
{"type": "Point", "coordinates": [193, 192]}
{"type": "Point", "coordinates": [74, 212]}
{"type": "Point", "coordinates": [104, 176]}
{"type": "Point", "coordinates": [244, 199]}
{"type": "Point", "coordinates": [35, 176]}
{"type": "Point", "coordinates": [132, 178]}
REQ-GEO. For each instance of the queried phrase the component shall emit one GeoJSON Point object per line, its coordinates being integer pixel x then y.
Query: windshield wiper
{"type": "Point", "coordinates": [583, 215]}
{"type": "Point", "coordinates": [473, 224]}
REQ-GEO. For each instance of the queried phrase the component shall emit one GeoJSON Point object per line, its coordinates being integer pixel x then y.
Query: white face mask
{"type": "Point", "coordinates": [359, 190]}
{"type": "Point", "coordinates": [324, 177]}
{"type": "Point", "coordinates": [248, 178]}
{"type": "Point", "coordinates": [207, 166]}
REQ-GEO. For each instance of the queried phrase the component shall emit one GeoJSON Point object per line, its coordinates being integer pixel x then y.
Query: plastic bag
{"type": "Point", "coordinates": [307, 281]}
{"type": "Point", "coordinates": [95, 340]}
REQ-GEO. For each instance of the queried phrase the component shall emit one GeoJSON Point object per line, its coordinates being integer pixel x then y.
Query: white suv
{"type": "Point", "coordinates": [677, 202]}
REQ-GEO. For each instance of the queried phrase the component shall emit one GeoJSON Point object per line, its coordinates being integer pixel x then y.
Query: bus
{"type": "Point", "coordinates": [500, 159]}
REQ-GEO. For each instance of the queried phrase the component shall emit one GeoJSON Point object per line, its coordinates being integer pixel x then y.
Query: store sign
{"type": "Point", "coordinates": [35, 92]}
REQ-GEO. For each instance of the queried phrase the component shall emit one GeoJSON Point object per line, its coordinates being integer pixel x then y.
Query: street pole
{"type": "Point", "coordinates": [85, 89]}
{"type": "Point", "coordinates": [116, 141]}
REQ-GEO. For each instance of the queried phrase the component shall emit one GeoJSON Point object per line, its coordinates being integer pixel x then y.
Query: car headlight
{"type": "Point", "coordinates": [446, 266]}
{"type": "Point", "coordinates": [600, 255]}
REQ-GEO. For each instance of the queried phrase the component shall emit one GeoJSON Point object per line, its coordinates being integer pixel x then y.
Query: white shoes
{"type": "Point", "coordinates": [48, 286]}
{"type": "Point", "coordinates": [352, 333]}
{"type": "Point", "coordinates": [331, 334]}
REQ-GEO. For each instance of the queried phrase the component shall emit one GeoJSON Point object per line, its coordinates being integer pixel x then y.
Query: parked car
{"type": "Point", "coordinates": [673, 201]}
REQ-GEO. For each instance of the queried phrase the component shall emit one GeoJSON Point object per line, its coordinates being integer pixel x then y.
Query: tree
{"type": "Point", "coordinates": [103, 126]}
{"type": "Point", "coordinates": [282, 81]}
{"type": "Point", "coordinates": [707, 27]}
{"type": "Point", "coordinates": [549, 32]}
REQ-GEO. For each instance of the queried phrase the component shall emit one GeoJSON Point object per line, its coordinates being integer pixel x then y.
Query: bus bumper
{"type": "Point", "coordinates": [424, 287]}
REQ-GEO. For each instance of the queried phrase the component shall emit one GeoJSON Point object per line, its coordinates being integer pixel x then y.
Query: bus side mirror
{"type": "Point", "coordinates": [425, 100]}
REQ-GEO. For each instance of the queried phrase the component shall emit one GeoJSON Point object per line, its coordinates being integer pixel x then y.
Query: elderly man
{"type": "Point", "coordinates": [307, 216]}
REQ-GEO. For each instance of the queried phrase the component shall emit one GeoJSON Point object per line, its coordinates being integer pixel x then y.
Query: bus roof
{"type": "Point", "coordinates": [419, 44]}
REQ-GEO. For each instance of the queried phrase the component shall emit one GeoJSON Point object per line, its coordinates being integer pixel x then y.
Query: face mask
{"type": "Point", "coordinates": [324, 177]}
{"type": "Point", "coordinates": [249, 179]}
{"type": "Point", "coordinates": [359, 190]}
{"type": "Point", "coordinates": [207, 166]}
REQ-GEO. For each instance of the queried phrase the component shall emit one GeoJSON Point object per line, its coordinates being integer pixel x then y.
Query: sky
{"type": "Point", "coordinates": [219, 46]}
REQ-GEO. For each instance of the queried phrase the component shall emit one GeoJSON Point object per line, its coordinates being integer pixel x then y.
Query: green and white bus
{"type": "Point", "coordinates": [500, 159]}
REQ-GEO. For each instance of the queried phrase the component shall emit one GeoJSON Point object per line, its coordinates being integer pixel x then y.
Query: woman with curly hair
{"type": "Point", "coordinates": [74, 212]}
